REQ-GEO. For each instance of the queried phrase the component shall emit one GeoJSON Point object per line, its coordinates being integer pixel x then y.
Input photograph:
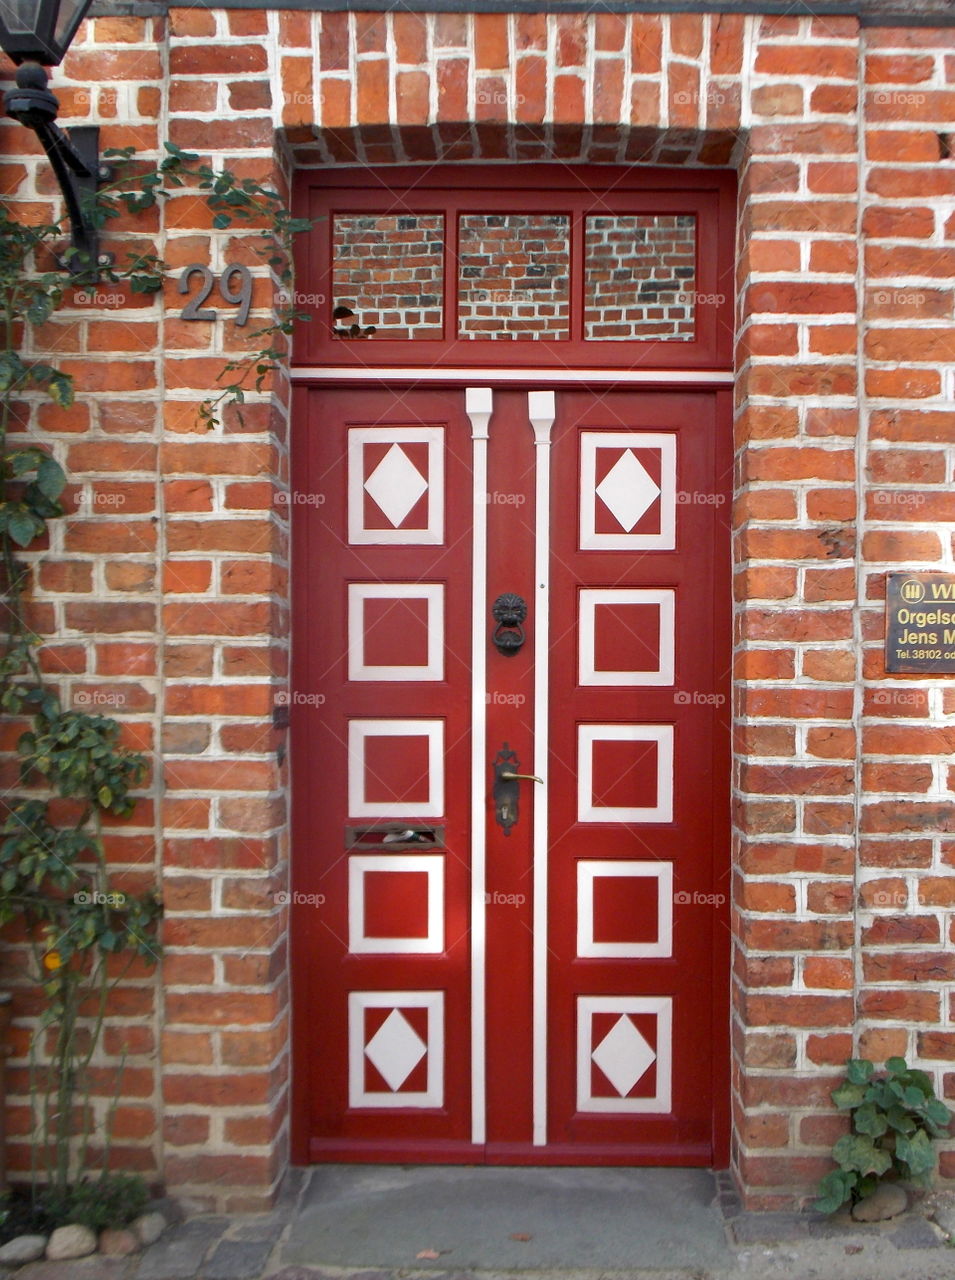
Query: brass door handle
{"type": "Point", "coordinates": [505, 788]}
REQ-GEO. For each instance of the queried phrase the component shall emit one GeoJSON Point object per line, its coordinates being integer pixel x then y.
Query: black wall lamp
{"type": "Point", "coordinates": [36, 34]}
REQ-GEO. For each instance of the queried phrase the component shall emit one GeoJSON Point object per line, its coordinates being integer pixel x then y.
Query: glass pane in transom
{"type": "Point", "coordinates": [388, 275]}
{"type": "Point", "coordinates": [640, 277]}
{"type": "Point", "coordinates": [514, 276]}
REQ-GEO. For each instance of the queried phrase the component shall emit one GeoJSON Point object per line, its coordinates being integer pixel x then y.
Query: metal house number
{"type": "Point", "coordinates": [240, 297]}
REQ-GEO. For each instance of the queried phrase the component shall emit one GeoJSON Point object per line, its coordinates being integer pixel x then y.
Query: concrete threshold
{"type": "Point", "coordinates": [503, 1219]}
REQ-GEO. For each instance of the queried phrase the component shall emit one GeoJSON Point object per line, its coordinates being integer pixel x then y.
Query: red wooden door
{"type": "Point", "coordinates": [536, 971]}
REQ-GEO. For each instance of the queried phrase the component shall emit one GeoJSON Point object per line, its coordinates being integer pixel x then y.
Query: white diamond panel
{"type": "Point", "coordinates": [395, 1049]}
{"type": "Point", "coordinates": [627, 491]}
{"type": "Point", "coordinates": [396, 485]}
{"type": "Point", "coordinates": [623, 1054]}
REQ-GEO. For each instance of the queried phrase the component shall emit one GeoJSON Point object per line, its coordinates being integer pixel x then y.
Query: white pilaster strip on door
{"type": "Point", "coordinates": [541, 411]}
{"type": "Point", "coordinates": [479, 403]}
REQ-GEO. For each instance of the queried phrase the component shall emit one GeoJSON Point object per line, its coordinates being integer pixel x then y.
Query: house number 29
{"type": "Point", "coordinates": [240, 296]}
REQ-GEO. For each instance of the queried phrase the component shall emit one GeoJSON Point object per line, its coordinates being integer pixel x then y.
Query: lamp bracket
{"type": "Point", "coordinates": [74, 157]}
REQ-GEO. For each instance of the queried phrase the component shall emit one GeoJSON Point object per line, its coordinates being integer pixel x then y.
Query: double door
{"type": "Point", "coordinates": [510, 775]}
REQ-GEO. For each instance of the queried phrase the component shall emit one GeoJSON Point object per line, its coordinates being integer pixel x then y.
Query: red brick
{"type": "Point", "coordinates": [646, 47]}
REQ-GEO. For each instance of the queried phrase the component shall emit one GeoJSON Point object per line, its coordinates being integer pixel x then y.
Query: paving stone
{"type": "Point", "coordinates": [237, 1260]}
{"type": "Point", "coordinates": [763, 1228]}
{"type": "Point", "coordinates": [916, 1233]}
{"type": "Point", "coordinates": [303, 1273]}
{"type": "Point", "coordinates": [94, 1268]}
{"type": "Point", "coordinates": [265, 1226]}
{"type": "Point", "coordinates": [179, 1254]}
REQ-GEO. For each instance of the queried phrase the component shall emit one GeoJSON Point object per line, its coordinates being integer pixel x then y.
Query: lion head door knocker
{"type": "Point", "coordinates": [509, 612]}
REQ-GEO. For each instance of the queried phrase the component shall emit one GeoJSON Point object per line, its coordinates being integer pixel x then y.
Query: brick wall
{"type": "Point", "coordinates": [843, 791]}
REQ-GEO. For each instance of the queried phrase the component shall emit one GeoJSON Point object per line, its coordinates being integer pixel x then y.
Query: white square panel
{"type": "Point", "coordinates": [627, 491]}
{"type": "Point", "coordinates": [661, 873]}
{"type": "Point", "coordinates": [432, 593]}
{"type": "Point", "coordinates": [623, 1055]}
{"type": "Point", "coordinates": [590, 734]}
{"type": "Point", "coordinates": [432, 865]}
{"type": "Point", "coordinates": [395, 483]}
{"type": "Point", "coordinates": [360, 734]}
{"type": "Point", "coordinates": [396, 1049]}
{"type": "Point", "coordinates": [591, 599]}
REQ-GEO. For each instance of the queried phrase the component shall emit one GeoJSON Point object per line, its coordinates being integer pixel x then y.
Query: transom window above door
{"type": "Point", "coordinates": [596, 266]}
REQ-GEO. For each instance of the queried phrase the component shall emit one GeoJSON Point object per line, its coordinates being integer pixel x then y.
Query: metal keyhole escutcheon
{"type": "Point", "coordinates": [509, 612]}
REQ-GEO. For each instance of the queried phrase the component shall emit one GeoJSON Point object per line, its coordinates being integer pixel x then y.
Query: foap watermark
{"type": "Point", "coordinates": [94, 898]}
{"type": "Point", "coordinates": [296, 899]}
{"type": "Point", "coordinates": [897, 898]}
{"type": "Point", "coordinates": [897, 298]}
{"type": "Point", "coordinates": [98, 698]}
{"type": "Point", "coordinates": [297, 498]}
{"type": "Point", "coordinates": [98, 298]}
{"type": "Point", "coordinates": [696, 698]}
{"type": "Point", "coordinates": [108, 99]}
{"type": "Point", "coordinates": [699, 498]}
{"type": "Point", "coordinates": [296, 298]}
{"type": "Point", "coordinates": [499, 899]}
{"type": "Point", "coordinates": [296, 698]}
{"type": "Point", "coordinates": [497, 699]}
{"type": "Point", "coordinates": [498, 499]}
{"type": "Point", "coordinates": [684, 898]}
{"type": "Point", "coordinates": [690, 298]}
{"type": "Point", "coordinates": [898, 697]}
{"type": "Point", "coordinates": [898, 98]}
{"type": "Point", "coordinates": [711, 97]}
{"type": "Point", "coordinates": [893, 498]}
{"type": "Point", "coordinates": [499, 297]}
{"type": "Point", "coordinates": [485, 97]}
{"type": "Point", "coordinates": [102, 501]}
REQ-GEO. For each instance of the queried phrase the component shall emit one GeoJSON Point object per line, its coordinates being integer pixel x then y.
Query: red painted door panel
{"type": "Point", "coordinates": [445, 1016]}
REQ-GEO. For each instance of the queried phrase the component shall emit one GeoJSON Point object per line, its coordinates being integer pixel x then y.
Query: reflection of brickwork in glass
{"type": "Point", "coordinates": [514, 276]}
{"type": "Point", "coordinates": [640, 277]}
{"type": "Point", "coordinates": [389, 270]}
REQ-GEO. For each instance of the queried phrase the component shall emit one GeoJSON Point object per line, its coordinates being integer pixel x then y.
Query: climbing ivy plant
{"type": "Point", "coordinates": [83, 933]}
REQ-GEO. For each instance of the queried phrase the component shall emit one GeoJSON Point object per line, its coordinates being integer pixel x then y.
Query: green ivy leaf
{"type": "Point", "coordinates": [23, 526]}
{"type": "Point", "coordinates": [834, 1190]}
{"type": "Point", "coordinates": [856, 1151]}
{"type": "Point", "coordinates": [869, 1120]}
{"type": "Point", "coordinates": [848, 1095]}
{"type": "Point", "coordinates": [40, 308]}
{"type": "Point", "coordinates": [938, 1114]}
{"type": "Point", "coordinates": [61, 389]}
{"type": "Point", "coordinates": [899, 1119]}
{"type": "Point", "coordinates": [859, 1070]}
{"type": "Point", "coordinates": [917, 1152]}
{"type": "Point", "coordinates": [50, 478]}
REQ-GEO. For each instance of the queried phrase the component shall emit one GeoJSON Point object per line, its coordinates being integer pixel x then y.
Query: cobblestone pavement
{"type": "Point", "coordinates": [771, 1246]}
